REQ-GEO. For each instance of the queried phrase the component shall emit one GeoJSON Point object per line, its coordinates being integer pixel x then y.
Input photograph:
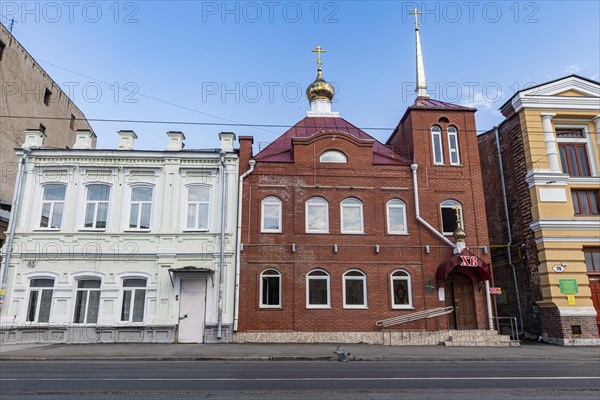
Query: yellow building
{"type": "Point", "coordinates": [542, 181]}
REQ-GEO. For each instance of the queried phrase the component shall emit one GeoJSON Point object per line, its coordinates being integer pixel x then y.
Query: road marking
{"type": "Point", "coordinates": [497, 378]}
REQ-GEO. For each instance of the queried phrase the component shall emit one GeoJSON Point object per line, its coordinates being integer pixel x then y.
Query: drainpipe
{"type": "Point", "coordinates": [12, 224]}
{"type": "Point", "coordinates": [239, 244]}
{"type": "Point", "coordinates": [222, 255]}
{"type": "Point", "coordinates": [509, 233]}
{"type": "Point", "coordinates": [418, 214]}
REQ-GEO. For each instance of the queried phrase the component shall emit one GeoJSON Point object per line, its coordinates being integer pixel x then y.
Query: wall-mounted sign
{"type": "Point", "coordinates": [571, 299]}
{"type": "Point", "coordinates": [568, 286]}
{"type": "Point", "coordinates": [495, 290]}
{"type": "Point", "coordinates": [558, 268]}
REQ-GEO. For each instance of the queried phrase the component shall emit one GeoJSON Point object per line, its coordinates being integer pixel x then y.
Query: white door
{"type": "Point", "coordinates": [191, 310]}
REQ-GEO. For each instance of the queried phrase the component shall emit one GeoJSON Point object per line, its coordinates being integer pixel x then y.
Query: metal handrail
{"type": "Point", "coordinates": [434, 312]}
{"type": "Point", "coordinates": [514, 327]}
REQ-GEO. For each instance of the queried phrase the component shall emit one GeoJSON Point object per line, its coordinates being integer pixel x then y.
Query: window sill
{"type": "Point", "coordinates": [317, 233]}
{"type": "Point", "coordinates": [46, 229]}
{"type": "Point", "coordinates": [131, 230]}
{"type": "Point", "coordinates": [270, 307]}
{"type": "Point", "coordinates": [398, 233]}
{"type": "Point", "coordinates": [403, 308]}
{"type": "Point", "coordinates": [92, 230]}
{"type": "Point", "coordinates": [352, 233]}
{"type": "Point", "coordinates": [327, 307]}
{"type": "Point", "coordinates": [196, 230]}
{"type": "Point", "coordinates": [356, 307]}
{"type": "Point", "coordinates": [265, 231]}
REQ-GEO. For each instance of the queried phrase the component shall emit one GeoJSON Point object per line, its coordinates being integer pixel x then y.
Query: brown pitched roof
{"type": "Point", "coordinates": [280, 150]}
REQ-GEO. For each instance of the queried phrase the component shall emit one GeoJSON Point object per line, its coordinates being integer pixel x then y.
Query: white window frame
{"type": "Point", "coordinates": [362, 278]}
{"type": "Point", "coordinates": [260, 295]}
{"type": "Point", "coordinates": [96, 202]}
{"type": "Point", "coordinates": [362, 220]}
{"type": "Point", "coordinates": [140, 204]}
{"type": "Point", "coordinates": [134, 290]}
{"type": "Point", "coordinates": [306, 213]}
{"type": "Point", "coordinates": [407, 277]}
{"type": "Point", "coordinates": [460, 211]}
{"type": "Point", "coordinates": [87, 299]}
{"type": "Point", "coordinates": [271, 201]}
{"type": "Point", "coordinates": [40, 290]}
{"type": "Point", "coordinates": [52, 206]}
{"type": "Point", "coordinates": [589, 145]}
{"type": "Point", "coordinates": [453, 132]}
{"type": "Point", "coordinates": [436, 131]}
{"type": "Point", "coordinates": [402, 206]}
{"type": "Point", "coordinates": [323, 155]}
{"type": "Point", "coordinates": [197, 203]}
{"type": "Point", "coordinates": [326, 278]}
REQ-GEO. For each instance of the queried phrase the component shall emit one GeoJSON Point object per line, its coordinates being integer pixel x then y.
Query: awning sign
{"type": "Point", "coordinates": [495, 290]}
{"type": "Point", "coordinates": [468, 261]}
{"type": "Point", "coordinates": [568, 286]}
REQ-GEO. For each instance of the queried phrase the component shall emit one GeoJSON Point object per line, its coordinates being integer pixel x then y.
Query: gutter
{"type": "Point", "coordinates": [222, 243]}
{"type": "Point", "coordinates": [238, 246]}
{"type": "Point", "coordinates": [509, 234]}
{"type": "Point", "coordinates": [12, 224]}
{"type": "Point", "coordinates": [418, 213]}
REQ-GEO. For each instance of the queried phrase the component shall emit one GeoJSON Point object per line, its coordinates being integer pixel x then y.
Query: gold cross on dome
{"type": "Point", "coordinates": [457, 211]}
{"type": "Point", "coordinates": [319, 50]}
{"type": "Point", "coordinates": [416, 13]}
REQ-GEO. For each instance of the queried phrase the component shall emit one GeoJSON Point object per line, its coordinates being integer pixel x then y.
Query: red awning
{"type": "Point", "coordinates": [465, 263]}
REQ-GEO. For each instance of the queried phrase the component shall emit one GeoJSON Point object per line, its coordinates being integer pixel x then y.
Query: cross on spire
{"type": "Point", "coordinates": [416, 13]}
{"type": "Point", "coordinates": [457, 211]}
{"type": "Point", "coordinates": [319, 50]}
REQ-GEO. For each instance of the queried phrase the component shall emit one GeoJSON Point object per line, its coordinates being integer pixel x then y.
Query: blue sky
{"type": "Point", "coordinates": [250, 62]}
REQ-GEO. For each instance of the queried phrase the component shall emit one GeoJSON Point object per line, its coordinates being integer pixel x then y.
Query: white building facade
{"type": "Point", "coordinates": [121, 245]}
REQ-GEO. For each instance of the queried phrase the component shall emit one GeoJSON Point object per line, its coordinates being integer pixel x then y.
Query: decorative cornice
{"type": "Point", "coordinates": [577, 224]}
{"type": "Point", "coordinates": [546, 178]}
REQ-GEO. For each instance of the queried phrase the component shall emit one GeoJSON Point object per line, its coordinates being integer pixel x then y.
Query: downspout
{"type": "Point", "coordinates": [222, 253]}
{"type": "Point", "coordinates": [12, 225]}
{"type": "Point", "coordinates": [418, 214]}
{"type": "Point", "coordinates": [239, 244]}
{"type": "Point", "coordinates": [509, 233]}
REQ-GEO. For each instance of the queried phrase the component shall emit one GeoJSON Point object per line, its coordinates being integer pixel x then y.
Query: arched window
{"type": "Point", "coordinates": [271, 215]}
{"type": "Point", "coordinates": [141, 207]}
{"type": "Point", "coordinates": [87, 301]}
{"type": "Point", "coordinates": [270, 289]}
{"type": "Point", "coordinates": [333, 156]}
{"type": "Point", "coordinates": [355, 289]}
{"type": "Point", "coordinates": [448, 213]}
{"type": "Point", "coordinates": [96, 206]}
{"type": "Point", "coordinates": [317, 289]}
{"type": "Point", "coordinates": [317, 215]}
{"type": "Point", "coordinates": [134, 300]}
{"type": "Point", "coordinates": [40, 300]}
{"type": "Point", "coordinates": [352, 216]}
{"type": "Point", "coordinates": [53, 202]}
{"type": "Point", "coordinates": [453, 146]}
{"type": "Point", "coordinates": [436, 140]}
{"type": "Point", "coordinates": [396, 217]}
{"type": "Point", "coordinates": [401, 289]}
{"type": "Point", "coordinates": [198, 202]}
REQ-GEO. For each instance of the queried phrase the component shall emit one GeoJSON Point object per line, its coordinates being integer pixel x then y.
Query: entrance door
{"type": "Point", "coordinates": [459, 294]}
{"type": "Point", "coordinates": [191, 310]}
{"type": "Point", "coordinates": [595, 289]}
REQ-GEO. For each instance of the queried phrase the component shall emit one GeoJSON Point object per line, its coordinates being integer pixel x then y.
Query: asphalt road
{"type": "Point", "coordinates": [318, 380]}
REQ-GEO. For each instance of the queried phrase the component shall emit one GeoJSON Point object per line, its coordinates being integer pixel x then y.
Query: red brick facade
{"type": "Point", "coordinates": [376, 253]}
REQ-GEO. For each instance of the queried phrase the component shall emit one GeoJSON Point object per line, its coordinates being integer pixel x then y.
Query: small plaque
{"type": "Point", "coordinates": [571, 299]}
{"type": "Point", "coordinates": [568, 286]}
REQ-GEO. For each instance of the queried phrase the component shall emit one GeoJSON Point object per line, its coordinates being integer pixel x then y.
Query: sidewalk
{"type": "Point", "coordinates": [257, 352]}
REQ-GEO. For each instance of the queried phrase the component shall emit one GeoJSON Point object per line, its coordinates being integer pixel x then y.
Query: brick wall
{"type": "Point", "coordinates": [373, 185]}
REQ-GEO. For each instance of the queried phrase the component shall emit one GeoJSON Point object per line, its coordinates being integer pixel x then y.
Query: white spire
{"type": "Point", "coordinates": [421, 84]}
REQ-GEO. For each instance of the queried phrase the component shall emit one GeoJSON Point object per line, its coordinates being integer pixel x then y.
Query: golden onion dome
{"type": "Point", "coordinates": [320, 89]}
{"type": "Point", "coordinates": [459, 233]}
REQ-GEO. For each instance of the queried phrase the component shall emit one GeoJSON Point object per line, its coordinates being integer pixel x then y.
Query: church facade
{"type": "Point", "coordinates": [341, 233]}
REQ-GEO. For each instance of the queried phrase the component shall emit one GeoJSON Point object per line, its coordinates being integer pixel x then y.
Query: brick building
{"type": "Point", "coordinates": [547, 247]}
{"type": "Point", "coordinates": [30, 100]}
{"type": "Point", "coordinates": [339, 231]}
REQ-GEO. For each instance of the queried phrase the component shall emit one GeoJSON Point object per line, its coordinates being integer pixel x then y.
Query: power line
{"type": "Point", "coordinates": [204, 123]}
